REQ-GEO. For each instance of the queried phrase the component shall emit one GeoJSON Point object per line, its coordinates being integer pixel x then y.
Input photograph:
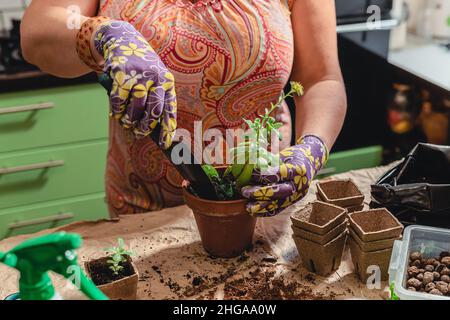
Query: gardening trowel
{"type": "Point", "coordinates": [193, 172]}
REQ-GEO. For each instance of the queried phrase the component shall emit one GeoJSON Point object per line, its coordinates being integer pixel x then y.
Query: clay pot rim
{"type": "Point", "coordinates": [186, 192]}
{"type": "Point", "coordinates": [358, 229]}
{"type": "Point", "coordinates": [135, 273]}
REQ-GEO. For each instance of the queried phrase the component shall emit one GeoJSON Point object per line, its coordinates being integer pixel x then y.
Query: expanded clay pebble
{"type": "Point", "coordinates": [427, 278]}
{"type": "Point", "coordinates": [435, 292]}
{"type": "Point", "coordinates": [431, 275]}
{"type": "Point", "coordinates": [429, 268]}
{"type": "Point", "coordinates": [413, 271]}
{"type": "Point", "coordinates": [413, 282]}
{"type": "Point", "coordinates": [446, 261]}
{"type": "Point", "coordinates": [445, 278]}
{"type": "Point", "coordinates": [415, 256]}
{"type": "Point", "coordinates": [442, 287]}
{"type": "Point", "coordinates": [430, 287]}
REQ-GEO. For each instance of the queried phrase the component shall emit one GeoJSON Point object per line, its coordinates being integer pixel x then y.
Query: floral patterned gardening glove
{"type": "Point", "coordinates": [143, 90]}
{"type": "Point", "coordinates": [281, 186]}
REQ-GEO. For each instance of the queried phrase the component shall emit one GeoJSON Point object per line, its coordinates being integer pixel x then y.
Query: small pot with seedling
{"type": "Point", "coordinates": [226, 228]}
{"type": "Point", "coordinates": [115, 274]}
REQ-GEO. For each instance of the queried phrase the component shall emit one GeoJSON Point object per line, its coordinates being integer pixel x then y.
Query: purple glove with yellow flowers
{"type": "Point", "coordinates": [143, 90]}
{"type": "Point", "coordinates": [281, 186]}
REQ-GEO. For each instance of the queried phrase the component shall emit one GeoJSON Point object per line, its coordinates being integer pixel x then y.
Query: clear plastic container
{"type": "Point", "coordinates": [427, 240]}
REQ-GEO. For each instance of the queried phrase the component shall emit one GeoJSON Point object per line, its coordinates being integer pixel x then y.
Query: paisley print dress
{"type": "Point", "coordinates": [230, 60]}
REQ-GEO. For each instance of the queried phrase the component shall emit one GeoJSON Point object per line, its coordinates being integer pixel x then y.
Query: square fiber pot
{"type": "Point", "coordinates": [320, 239]}
{"type": "Point", "coordinates": [321, 259]}
{"type": "Point", "coordinates": [373, 245]}
{"type": "Point", "coordinates": [375, 224]}
{"type": "Point", "coordinates": [319, 217]}
{"type": "Point", "coordinates": [362, 260]}
{"type": "Point", "coordinates": [342, 193]}
{"type": "Point", "coordinates": [122, 289]}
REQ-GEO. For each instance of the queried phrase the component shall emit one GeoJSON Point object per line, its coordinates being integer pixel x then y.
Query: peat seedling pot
{"type": "Point", "coordinates": [226, 229]}
{"type": "Point", "coordinates": [320, 239]}
{"type": "Point", "coordinates": [375, 224]}
{"type": "Point", "coordinates": [373, 245]}
{"type": "Point", "coordinates": [319, 217]}
{"type": "Point", "coordinates": [362, 260]}
{"type": "Point", "coordinates": [321, 259]}
{"type": "Point", "coordinates": [117, 287]}
{"type": "Point", "coordinates": [342, 193]}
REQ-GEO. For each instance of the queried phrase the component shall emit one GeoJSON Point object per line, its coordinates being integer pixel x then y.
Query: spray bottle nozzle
{"type": "Point", "coordinates": [53, 252]}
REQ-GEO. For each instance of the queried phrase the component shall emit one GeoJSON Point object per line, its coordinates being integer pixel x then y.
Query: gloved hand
{"type": "Point", "coordinates": [143, 90]}
{"type": "Point", "coordinates": [279, 187]}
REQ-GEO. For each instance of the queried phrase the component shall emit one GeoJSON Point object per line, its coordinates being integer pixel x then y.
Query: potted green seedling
{"type": "Point", "coordinates": [226, 228]}
{"type": "Point", "coordinates": [115, 274]}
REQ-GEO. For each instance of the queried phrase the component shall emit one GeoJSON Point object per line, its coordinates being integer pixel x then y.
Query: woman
{"type": "Point", "coordinates": [225, 59]}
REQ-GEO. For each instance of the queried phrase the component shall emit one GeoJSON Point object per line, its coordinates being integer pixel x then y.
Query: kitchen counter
{"type": "Point", "coordinates": [173, 265]}
{"type": "Point", "coordinates": [35, 79]}
{"type": "Point", "coordinates": [425, 59]}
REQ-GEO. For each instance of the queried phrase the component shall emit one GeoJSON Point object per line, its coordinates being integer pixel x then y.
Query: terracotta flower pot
{"type": "Point", "coordinates": [375, 224]}
{"type": "Point", "coordinates": [121, 289]}
{"type": "Point", "coordinates": [321, 259]}
{"type": "Point", "coordinates": [225, 227]}
{"type": "Point", "coordinates": [362, 260]}
{"type": "Point", "coordinates": [318, 217]}
{"type": "Point", "coordinates": [320, 239]}
{"type": "Point", "coordinates": [342, 193]}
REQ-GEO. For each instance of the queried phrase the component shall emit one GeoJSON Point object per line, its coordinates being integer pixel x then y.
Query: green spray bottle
{"type": "Point", "coordinates": [34, 258]}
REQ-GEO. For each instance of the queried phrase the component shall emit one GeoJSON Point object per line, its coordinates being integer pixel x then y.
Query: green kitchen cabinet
{"type": "Point", "coordinates": [48, 117]}
{"type": "Point", "coordinates": [62, 172]}
{"type": "Point", "coordinates": [53, 146]}
{"type": "Point", "coordinates": [32, 218]}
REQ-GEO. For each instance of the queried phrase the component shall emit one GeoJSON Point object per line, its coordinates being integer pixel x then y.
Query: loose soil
{"type": "Point", "coordinates": [100, 272]}
{"type": "Point", "coordinates": [262, 284]}
{"type": "Point", "coordinates": [250, 276]}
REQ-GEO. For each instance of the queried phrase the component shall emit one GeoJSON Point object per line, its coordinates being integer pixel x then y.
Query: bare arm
{"type": "Point", "coordinates": [46, 40]}
{"type": "Point", "coordinates": [322, 109]}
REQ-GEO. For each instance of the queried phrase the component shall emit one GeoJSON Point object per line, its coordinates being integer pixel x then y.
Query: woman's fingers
{"type": "Point", "coordinates": [269, 192]}
{"type": "Point", "coordinates": [136, 109]}
{"type": "Point", "coordinates": [284, 172]}
{"type": "Point", "coordinates": [168, 124]}
{"type": "Point", "coordinates": [119, 94]}
{"type": "Point", "coordinates": [270, 208]}
{"type": "Point", "coordinates": [264, 208]}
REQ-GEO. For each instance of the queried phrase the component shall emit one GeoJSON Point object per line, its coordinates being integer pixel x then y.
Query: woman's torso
{"type": "Point", "coordinates": [230, 59]}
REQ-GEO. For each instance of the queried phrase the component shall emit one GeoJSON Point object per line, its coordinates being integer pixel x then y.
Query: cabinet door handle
{"type": "Point", "coordinates": [55, 218]}
{"type": "Point", "coordinates": [34, 166]}
{"type": "Point", "coordinates": [27, 108]}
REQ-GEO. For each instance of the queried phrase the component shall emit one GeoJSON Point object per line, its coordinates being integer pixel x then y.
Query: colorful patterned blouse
{"type": "Point", "coordinates": [230, 59]}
